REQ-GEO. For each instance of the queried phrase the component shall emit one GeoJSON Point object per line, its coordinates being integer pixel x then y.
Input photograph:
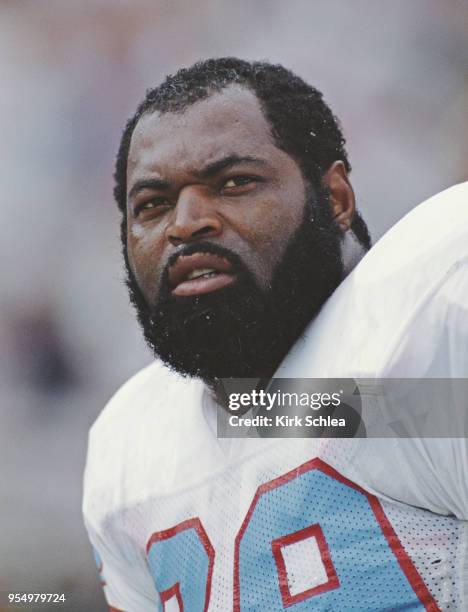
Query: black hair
{"type": "Point", "coordinates": [302, 124]}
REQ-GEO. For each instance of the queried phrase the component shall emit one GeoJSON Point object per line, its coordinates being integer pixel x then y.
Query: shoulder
{"type": "Point", "coordinates": [412, 289]}
{"type": "Point", "coordinates": [140, 416]}
{"type": "Point", "coordinates": [393, 308]}
{"type": "Point", "coordinates": [140, 401]}
{"type": "Point", "coordinates": [435, 231]}
{"type": "Point", "coordinates": [151, 384]}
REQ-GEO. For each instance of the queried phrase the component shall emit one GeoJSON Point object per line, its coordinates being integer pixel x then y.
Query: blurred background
{"type": "Point", "coordinates": [71, 73]}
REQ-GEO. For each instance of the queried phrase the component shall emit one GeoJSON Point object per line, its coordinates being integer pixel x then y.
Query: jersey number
{"type": "Point", "coordinates": [311, 540]}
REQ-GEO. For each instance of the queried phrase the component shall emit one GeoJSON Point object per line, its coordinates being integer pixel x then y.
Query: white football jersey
{"type": "Point", "coordinates": [182, 520]}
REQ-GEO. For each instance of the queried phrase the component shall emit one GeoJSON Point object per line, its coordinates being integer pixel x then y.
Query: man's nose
{"type": "Point", "coordinates": [195, 217]}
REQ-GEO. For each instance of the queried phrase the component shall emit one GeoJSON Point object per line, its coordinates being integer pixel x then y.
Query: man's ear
{"type": "Point", "coordinates": [342, 202]}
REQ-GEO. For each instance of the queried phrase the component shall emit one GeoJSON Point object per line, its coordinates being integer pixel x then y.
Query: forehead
{"type": "Point", "coordinates": [225, 123]}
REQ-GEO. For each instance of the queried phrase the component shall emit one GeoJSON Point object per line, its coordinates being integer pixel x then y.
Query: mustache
{"type": "Point", "coordinates": [238, 266]}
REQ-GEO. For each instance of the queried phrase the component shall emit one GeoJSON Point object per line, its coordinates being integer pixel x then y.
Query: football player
{"type": "Point", "coordinates": [246, 257]}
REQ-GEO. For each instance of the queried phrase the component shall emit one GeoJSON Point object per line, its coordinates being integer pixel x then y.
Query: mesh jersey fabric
{"type": "Point", "coordinates": [368, 566]}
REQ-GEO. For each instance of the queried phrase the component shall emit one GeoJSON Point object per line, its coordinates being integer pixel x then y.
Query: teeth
{"type": "Point", "coordinates": [200, 272]}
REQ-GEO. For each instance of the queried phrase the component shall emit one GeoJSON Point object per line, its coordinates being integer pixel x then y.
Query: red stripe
{"type": "Point", "coordinates": [396, 546]}
{"type": "Point", "coordinates": [196, 524]}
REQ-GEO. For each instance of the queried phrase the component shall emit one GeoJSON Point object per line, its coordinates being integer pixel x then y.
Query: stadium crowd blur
{"type": "Point", "coordinates": [71, 73]}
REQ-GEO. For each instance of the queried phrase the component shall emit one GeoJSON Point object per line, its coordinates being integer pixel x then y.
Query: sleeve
{"type": "Point", "coordinates": [449, 456]}
{"type": "Point", "coordinates": [123, 573]}
{"type": "Point", "coordinates": [430, 469]}
{"type": "Point", "coordinates": [437, 467]}
{"type": "Point", "coordinates": [125, 577]}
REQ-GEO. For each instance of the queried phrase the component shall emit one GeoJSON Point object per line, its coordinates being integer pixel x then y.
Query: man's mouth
{"type": "Point", "coordinates": [200, 273]}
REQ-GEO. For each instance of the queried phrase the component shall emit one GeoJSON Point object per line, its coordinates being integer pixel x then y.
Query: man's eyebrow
{"type": "Point", "coordinates": [148, 183]}
{"type": "Point", "coordinates": [208, 171]}
{"type": "Point", "coordinates": [226, 162]}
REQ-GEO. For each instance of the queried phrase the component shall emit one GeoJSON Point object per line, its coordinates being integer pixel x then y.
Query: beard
{"type": "Point", "coordinates": [242, 330]}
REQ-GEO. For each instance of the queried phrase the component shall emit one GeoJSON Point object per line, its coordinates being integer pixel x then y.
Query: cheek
{"type": "Point", "coordinates": [145, 257]}
{"type": "Point", "coordinates": [268, 235]}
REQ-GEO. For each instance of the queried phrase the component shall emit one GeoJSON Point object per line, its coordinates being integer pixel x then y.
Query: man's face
{"type": "Point", "coordinates": [214, 208]}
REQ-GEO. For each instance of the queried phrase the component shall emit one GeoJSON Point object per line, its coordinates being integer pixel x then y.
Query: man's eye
{"type": "Point", "coordinates": [238, 181]}
{"type": "Point", "coordinates": [153, 204]}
